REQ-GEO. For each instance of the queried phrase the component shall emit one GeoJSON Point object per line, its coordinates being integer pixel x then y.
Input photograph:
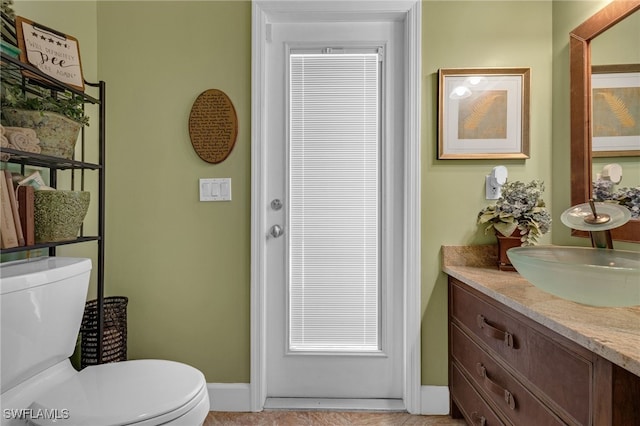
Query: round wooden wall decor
{"type": "Point", "coordinates": [213, 126]}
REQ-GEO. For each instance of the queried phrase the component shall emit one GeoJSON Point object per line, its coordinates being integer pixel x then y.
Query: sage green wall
{"type": "Point", "coordinates": [566, 16]}
{"type": "Point", "coordinates": [185, 265]}
{"type": "Point", "coordinates": [473, 34]}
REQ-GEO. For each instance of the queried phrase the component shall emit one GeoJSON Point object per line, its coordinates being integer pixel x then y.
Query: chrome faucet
{"type": "Point", "coordinates": [584, 217]}
{"type": "Point", "coordinates": [599, 239]}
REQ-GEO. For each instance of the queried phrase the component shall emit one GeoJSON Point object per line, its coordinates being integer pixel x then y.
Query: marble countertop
{"type": "Point", "coordinates": [612, 333]}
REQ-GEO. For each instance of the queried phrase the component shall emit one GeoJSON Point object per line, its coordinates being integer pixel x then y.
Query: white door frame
{"type": "Point", "coordinates": [409, 11]}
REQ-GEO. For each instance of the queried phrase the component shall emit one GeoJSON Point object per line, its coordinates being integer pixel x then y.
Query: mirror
{"type": "Point", "coordinates": [615, 69]}
{"type": "Point", "coordinates": [580, 44]}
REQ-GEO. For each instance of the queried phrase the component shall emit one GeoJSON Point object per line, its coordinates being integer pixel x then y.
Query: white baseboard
{"type": "Point", "coordinates": [333, 404]}
{"type": "Point", "coordinates": [435, 400]}
{"type": "Point", "coordinates": [237, 397]}
{"type": "Point", "coordinates": [229, 396]}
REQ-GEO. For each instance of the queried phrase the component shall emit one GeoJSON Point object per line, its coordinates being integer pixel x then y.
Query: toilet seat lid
{"type": "Point", "coordinates": [122, 393]}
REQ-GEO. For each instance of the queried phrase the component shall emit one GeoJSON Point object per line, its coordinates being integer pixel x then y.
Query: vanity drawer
{"type": "Point", "coordinates": [473, 407]}
{"type": "Point", "coordinates": [560, 369]}
{"type": "Point", "coordinates": [515, 402]}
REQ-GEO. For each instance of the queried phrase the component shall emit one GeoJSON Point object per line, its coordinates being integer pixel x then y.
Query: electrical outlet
{"type": "Point", "coordinates": [491, 192]}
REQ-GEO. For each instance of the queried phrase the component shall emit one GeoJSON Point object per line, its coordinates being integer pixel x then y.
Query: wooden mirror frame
{"type": "Point", "coordinates": [580, 75]}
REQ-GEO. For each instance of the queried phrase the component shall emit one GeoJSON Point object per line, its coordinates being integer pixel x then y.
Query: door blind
{"type": "Point", "coordinates": [334, 207]}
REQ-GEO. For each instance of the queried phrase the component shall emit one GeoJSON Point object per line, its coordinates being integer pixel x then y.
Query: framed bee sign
{"type": "Point", "coordinates": [52, 52]}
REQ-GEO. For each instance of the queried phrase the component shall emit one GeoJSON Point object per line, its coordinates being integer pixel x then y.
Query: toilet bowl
{"type": "Point", "coordinates": [141, 392]}
{"type": "Point", "coordinates": [41, 306]}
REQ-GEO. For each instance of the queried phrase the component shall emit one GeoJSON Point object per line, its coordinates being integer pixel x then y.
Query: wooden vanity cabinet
{"type": "Point", "coordinates": [506, 369]}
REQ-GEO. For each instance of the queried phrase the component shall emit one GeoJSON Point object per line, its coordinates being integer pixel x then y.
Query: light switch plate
{"type": "Point", "coordinates": [218, 189]}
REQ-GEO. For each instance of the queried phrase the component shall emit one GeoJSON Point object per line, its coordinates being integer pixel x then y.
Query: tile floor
{"type": "Point", "coordinates": [325, 418]}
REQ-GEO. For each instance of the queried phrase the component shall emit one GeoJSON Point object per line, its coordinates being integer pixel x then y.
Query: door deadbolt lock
{"type": "Point", "coordinates": [276, 231]}
{"type": "Point", "coordinates": [276, 204]}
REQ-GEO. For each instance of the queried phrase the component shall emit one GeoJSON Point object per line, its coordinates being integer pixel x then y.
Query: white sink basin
{"type": "Point", "coordinates": [596, 277]}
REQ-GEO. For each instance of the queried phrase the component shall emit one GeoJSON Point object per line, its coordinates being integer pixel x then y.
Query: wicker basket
{"type": "Point", "coordinates": [114, 339]}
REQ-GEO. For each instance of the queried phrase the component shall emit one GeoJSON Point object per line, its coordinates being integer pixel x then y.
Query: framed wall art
{"type": "Point", "coordinates": [213, 126]}
{"type": "Point", "coordinates": [483, 113]}
{"type": "Point", "coordinates": [615, 110]}
{"type": "Point", "coordinates": [52, 52]}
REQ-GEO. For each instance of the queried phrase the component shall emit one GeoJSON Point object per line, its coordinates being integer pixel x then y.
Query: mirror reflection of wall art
{"type": "Point", "coordinates": [616, 110]}
{"type": "Point", "coordinates": [483, 113]}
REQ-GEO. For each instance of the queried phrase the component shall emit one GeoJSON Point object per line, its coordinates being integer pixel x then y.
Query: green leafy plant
{"type": "Point", "coordinates": [71, 107]}
{"type": "Point", "coordinates": [520, 207]}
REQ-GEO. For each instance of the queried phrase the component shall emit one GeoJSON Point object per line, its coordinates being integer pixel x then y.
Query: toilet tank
{"type": "Point", "coordinates": [41, 306]}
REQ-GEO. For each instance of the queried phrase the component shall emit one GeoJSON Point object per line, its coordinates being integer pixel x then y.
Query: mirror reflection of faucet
{"type": "Point", "coordinates": [598, 219]}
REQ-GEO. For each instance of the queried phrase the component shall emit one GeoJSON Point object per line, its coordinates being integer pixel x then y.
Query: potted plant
{"type": "Point", "coordinates": [56, 120]}
{"type": "Point", "coordinates": [519, 217]}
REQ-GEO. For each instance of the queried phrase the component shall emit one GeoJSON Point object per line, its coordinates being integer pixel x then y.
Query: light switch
{"type": "Point", "coordinates": [224, 190]}
{"type": "Point", "coordinates": [215, 189]}
{"type": "Point", "coordinates": [205, 188]}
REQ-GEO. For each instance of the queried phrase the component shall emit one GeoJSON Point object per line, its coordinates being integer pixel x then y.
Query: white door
{"type": "Point", "coordinates": [334, 251]}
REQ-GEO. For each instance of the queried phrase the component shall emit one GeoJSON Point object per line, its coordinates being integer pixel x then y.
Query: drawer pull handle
{"type": "Point", "coordinates": [496, 333]}
{"type": "Point", "coordinates": [477, 419]}
{"type": "Point", "coordinates": [496, 388]}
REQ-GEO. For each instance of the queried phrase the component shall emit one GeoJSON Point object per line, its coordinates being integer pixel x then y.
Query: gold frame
{"type": "Point", "coordinates": [505, 142]}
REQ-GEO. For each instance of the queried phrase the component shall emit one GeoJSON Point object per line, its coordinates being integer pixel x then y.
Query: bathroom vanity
{"type": "Point", "coordinates": [520, 356]}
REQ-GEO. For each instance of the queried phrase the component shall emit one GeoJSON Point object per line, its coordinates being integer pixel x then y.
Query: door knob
{"type": "Point", "coordinates": [276, 231]}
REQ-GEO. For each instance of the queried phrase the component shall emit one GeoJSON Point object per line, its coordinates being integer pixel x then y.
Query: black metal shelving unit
{"type": "Point", "coordinates": [12, 70]}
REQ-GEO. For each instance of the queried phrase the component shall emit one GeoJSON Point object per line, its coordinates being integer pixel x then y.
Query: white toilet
{"type": "Point", "coordinates": [41, 305]}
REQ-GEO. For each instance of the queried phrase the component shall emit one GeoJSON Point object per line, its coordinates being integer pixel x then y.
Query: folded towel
{"type": "Point", "coordinates": [23, 139]}
{"type": "Point", "coordinates": [26, 130]}
{"type": "Point", "coordinates": [18, 139]}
